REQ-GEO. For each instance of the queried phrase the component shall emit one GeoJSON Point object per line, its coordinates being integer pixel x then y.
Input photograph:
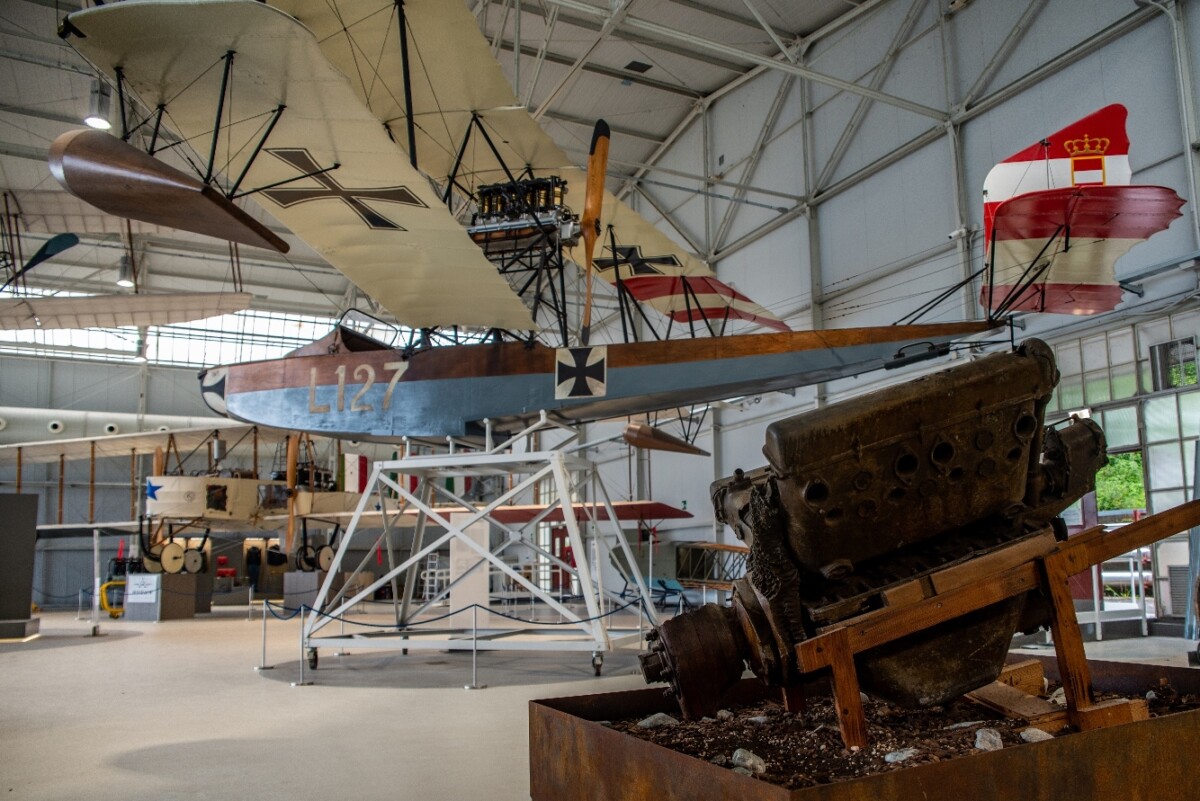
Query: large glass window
{"type": "Point", "coordinates": [243, 336]}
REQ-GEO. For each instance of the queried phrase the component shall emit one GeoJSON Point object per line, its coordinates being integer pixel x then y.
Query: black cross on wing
{"type": "Point", "coordinates": [631, 256]}
{"type": "Point", "coordinates": [581, 372]}
{"type": "Point", "coordinates": [329, 188]}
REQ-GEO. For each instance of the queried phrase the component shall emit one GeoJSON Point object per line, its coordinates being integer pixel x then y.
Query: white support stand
{"type": "Point", "coordinates": [568, 472]}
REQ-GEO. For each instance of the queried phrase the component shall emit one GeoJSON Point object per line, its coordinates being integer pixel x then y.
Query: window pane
{"type": "Point", "coordinates": [1068, 358]}
{"type": "Point", "coordinates": [1189, 465]}
{"type": "Point", "coordinates": [1152, 332]}
{"type": "Point", "coordinates": [1162, 501]}
{"type": "Point", "coordinates": [1095, 387]}
{"type": "Point", "coordinates": [1124, 381]}
{"type": "Point", "coordinates": [1070, 393]}
{"type": "Point", "coordinates": [1120, 427]}
{"type": "Point", "coordinates": [1189, 413]}
{"type": "Point", "coordinates": [1186, 324]}
{"type": "Point", "coordinates": [1095, 352]}
{"type": "Point", "coordinates": [1120, 347]}
{"type": "Point", "coordinates": [1162, 421]}
{"type": "Point", "coordinates": [1166, 466]}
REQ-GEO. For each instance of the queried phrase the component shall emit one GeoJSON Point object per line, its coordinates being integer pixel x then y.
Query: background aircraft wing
{"type": "Point", "coordinates": [374, 217]}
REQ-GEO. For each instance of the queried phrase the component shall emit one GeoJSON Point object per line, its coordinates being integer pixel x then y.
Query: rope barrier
{"type": "Point", "coordinates": [411, 626]}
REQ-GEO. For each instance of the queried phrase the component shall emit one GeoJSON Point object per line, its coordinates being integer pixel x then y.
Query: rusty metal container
{"type": "Point", "coordinates": [574, 758]}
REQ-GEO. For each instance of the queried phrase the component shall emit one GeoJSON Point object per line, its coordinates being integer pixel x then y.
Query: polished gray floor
{"type": "Point", "coordinates": [175, 710]}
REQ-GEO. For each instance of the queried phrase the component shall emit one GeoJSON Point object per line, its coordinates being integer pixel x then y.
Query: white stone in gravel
{"type": "Point", "coordinates": [719, 760]}
{"type": "Point", "coordinates": [964, 725]}
{"type": "Point", "coordinates": [988, 740]}
{"type": "Point", "coordinates": [742, 771]}
{"type": "Point", "coordinates": [1151, 695]}
{"type": "Point", "coordinates": [724, 714]}
{"type": "Point", "coordinates": [658, 719]}
{"type": "Point", "coordinates": [1059, 697]}
{"type": "Point", "coordinates": [899, 756]}
{"type": "Point", "coordinates": [759, 719]}
{"type": "Point", "coordinates": [748, 760]}
{"type": "Point", "coordinates": [1036, 736]}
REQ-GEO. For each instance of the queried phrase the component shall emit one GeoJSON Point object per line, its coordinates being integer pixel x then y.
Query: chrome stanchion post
{"type": "Point", "coordinates": [303, 656]}
{"type": "Point", "coordinates": [474, 685]}
{"type": "Point", "coordinates": [262, 665]}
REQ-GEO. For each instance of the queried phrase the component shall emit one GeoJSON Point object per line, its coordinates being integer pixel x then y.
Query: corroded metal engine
{"type": "Point", "coordinates": [862, 498]}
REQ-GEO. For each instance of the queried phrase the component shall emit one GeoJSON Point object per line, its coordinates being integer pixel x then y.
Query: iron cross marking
{"type": "Point", "coordinates": [329, 188]}
{"type": "Point", "coordinates": [631, 255]}
{"type": "Point", "coordinates": [581, 372]}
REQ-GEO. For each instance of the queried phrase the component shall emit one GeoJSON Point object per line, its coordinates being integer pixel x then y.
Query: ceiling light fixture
{"type": "Point", "coordinates": [99, 105]}
{"type": "Point", "coordinates": [124, 272]}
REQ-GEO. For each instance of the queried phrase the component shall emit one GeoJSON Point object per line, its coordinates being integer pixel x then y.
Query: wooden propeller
{"type": "Point", "coordinates": [590, 221]}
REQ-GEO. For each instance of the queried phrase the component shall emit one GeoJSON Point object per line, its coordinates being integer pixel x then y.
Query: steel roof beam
{"type": "Point", "coordinates": [669, 34]}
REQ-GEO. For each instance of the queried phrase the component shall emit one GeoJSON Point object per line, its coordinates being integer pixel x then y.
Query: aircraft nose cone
{"type": "Point", "coordinates": [212, 388]}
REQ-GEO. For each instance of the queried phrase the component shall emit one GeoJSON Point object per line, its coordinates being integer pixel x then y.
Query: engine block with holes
{"type": "Point", "coordinates": [863, 497]}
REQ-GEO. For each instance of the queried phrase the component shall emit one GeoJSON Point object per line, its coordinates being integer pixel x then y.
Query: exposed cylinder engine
{"type": "Point", "coordinates": [864, 497]}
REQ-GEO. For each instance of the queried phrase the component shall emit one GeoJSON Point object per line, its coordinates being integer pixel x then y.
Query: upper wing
{"type": "Point", "coordinates": [457, 83]}
{"type": "Point", "coordinates": [1059, 213]}
{"type": "Point", "coordinates": [374, 217]}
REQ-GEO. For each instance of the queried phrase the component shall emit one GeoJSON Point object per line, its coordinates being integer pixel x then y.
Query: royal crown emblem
{"type": "Point", "coordinates": [1086, 146]}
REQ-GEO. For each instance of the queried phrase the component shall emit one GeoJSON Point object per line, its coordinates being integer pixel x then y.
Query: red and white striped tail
{"type": "Point", "coordinates": [1065, 207]}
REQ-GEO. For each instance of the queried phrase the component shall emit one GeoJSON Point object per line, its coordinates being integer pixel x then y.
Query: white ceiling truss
{"type": "Point", "coordinates": [655, 69]}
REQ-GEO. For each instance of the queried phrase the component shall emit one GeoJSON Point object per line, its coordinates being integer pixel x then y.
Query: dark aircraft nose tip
{"type": "Point", "coordinates": [212, 388]}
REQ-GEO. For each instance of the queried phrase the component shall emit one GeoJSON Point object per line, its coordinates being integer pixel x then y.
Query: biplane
{"type": "Point", "coordinates": [387, 137]}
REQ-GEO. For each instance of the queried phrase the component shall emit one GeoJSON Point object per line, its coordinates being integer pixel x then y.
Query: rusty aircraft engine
{"type": "Point", "coordinates": [864, 498]}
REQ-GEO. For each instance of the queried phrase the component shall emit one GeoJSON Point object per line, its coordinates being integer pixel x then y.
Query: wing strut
{"type": "Point", "coordinates": [402, 22]}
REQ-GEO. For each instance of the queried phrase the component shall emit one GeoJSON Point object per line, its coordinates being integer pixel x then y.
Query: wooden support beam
{"type": "Point", "coordinates": [852, 721]}
{"type": "Point", "coordinates": [1096, 545]}
{"type": "Point", "coordinates": [1015, 704]}
{"type": "Point", "coordinates": [876, 628]}
{"type": "Point", "coordinates": [1027, 676]}
{"type": "Point", "coordinates": [794, 700]}
{"type": "Point", "coordinates": [19, 465]}
{"type": "Point", "coordinates": [988, 565]}
{"type": "Point", "coordinates": [1068, 642]}
{"type": "Point", "coordinates": [293, 458]}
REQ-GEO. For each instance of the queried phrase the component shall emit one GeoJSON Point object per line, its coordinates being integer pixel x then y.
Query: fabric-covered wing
{"type": "Point", "coordinates": [114, 311]}
{"type": "Point", "coordinates": [1070, 239]}
{"type": "Point", "coordinates": [455, 81]}
{"type": "Point", "coordinates": [375, 218]}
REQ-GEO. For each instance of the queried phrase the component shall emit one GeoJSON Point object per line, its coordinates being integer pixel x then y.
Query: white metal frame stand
{"type": "Point", "coordinates": [580, 633]}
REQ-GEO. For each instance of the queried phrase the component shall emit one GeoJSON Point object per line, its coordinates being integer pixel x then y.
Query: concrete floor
{"type": "Point", "coordinates": [175, 710]}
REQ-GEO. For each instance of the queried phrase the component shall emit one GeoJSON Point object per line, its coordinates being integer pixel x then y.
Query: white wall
{"type": "Point", "coordinates": [881, 234]}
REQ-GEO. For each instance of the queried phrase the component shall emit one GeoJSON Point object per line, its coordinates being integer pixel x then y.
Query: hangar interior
{"type": "Point", "coordinates": [824, 158]}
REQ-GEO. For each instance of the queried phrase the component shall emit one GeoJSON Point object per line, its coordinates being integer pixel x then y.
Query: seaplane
{"type": "Point", "coordinates": [427, 183]}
